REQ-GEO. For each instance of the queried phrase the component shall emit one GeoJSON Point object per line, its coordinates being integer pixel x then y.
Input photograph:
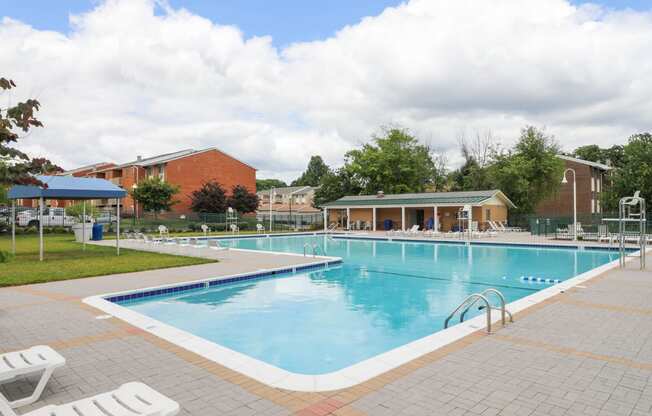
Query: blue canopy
{"type": "Point", "coordinates": [68, 187]}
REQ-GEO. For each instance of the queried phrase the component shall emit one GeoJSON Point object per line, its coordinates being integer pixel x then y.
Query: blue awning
{"type": "Point", "coordinates": [68, 187]}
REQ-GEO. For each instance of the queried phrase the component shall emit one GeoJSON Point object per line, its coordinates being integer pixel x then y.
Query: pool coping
{"type": "Point", "coordinates": [343, 378]}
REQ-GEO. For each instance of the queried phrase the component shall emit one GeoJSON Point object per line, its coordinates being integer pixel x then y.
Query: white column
{"type": "Point", "coordinates": [348, 219]}
{"type": "Point", "coordinates": [13, 226]}
{"type": "Point", "coordinates": [470, 220]}
{"type": "Point", "coordinates": [40, 228]}
{"type": "Point", "coordinates": [325, 219]}
{"type": "Point", "coordinates": [403, 218]}
{"type": "Point", "coordinates": [117, 236]}
{"type": "Point", "coordinates": [373, 221]}
{"type": "Point", "coordinates": [435, 220]}
{"type": "Point", "coordinates": [84, 225]}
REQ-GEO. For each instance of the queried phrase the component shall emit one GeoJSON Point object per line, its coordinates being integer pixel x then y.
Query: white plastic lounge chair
{"type": "Point", "coordinates": [260, 228]}
{"type": "Point", "coordinates": [40, 358]}
{"type": "Point", "coordinates": [215, 245]}
{"type": "Point", "coordinates": [131, 399]}
{"type": "Point", "coordinates": [163, 231]}
{"type": "Point", "coordinates": [505, 227]}
{"type": "Point", "coordinates": [235, 228]}
{"type": "Point", "coordinates": [494, 226]}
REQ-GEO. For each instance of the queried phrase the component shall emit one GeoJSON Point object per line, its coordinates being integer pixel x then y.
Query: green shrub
{"type": "Point", "coordinates": [5, 256]}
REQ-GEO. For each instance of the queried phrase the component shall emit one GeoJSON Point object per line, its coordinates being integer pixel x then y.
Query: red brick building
{"type": "Point", "coordinates": [591, 179]}
{"type": "Point", "coordinates": [188, 169]}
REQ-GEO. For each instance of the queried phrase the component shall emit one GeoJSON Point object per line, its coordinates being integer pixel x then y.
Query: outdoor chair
{"type": "Point", "coordinates": [131, 399]}
{"type": "Point", "coordinates": [260, 228]}
{"type": "Point", "coordinates": [38, 359]}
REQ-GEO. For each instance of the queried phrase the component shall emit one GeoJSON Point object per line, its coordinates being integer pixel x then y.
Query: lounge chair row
{"type": "Point", "coordinates": [415, 232]}
{"type": "Point", "coordinates": [195, 242]}
{"type": "Point", "coordinates": [130, 399]}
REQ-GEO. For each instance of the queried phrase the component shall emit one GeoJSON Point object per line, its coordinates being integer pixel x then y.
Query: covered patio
{"type": "Point", "coordinates": [442, 211]}
{"type": "Point", "coordinates": [64, 188]}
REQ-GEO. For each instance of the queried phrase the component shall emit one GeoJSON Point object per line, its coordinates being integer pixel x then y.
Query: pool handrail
{"type": "Point", "coordinates": [474, 297]}
{"type": "Point", "coordinates": [502, 308]}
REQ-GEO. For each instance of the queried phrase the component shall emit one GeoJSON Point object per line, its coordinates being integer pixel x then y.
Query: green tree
{"type": "Point", "coordinates": [393, 163]}
{"type": "Point", "coordinates": [155, 195]}
{"type": "Point", "coordinates": [3, 195]}
{"type": "Point", "coordinates": [591, 152]}
{"type": "Point", "coordinates": [15, 166]}
{"type": "Point", "coordinates": [314, 173]}
{"type": "Point", "coordinates": [530, 172]}
{"type": "Point", "coordinates": [265, 184]}
{"type": "Point", "coordinates": [76, 210]}
{"type": "Point", "coordinates": [210, 198]}
{"type": "Point", "coordinates": [335, 185]}
{"type": "Point", "coordinates": [635, 174]}
{"type": "Point", "coordinates": [612, 156]}
{"type": "Point", "coordinates": [242, 200]}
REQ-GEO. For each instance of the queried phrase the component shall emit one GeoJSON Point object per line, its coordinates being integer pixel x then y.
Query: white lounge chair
{"type": "Point", "coordinates": [505, 227]}
{"type": "Point", "coordinates": [235, 229]}
{"type": "Point", "coordinates": [40, 358]}
{"type": "Point", "coordinates": [163, 231]}
{"type": "Point", "coordinates": [260, 228]}
{"type": "Point", "coordinates": [131, 399]}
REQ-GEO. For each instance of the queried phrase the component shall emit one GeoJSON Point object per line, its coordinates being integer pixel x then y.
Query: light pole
{"type": "Point", "coordinates": [565, 181]}
{"type": "Point", "coordinates": [133, 189]}
{"type": "Point", "coordinates": [271, 201]}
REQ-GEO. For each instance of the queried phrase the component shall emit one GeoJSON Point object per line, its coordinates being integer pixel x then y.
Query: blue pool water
{"type": "Point", "coordinates": [383, 295]}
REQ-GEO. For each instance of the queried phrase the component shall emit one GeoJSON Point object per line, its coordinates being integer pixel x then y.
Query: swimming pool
{"type": "Point", "coordinates": [382, 296]}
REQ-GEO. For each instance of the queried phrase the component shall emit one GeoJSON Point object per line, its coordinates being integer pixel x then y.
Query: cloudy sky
{"type": "Point", "coordinates": [275, 82]}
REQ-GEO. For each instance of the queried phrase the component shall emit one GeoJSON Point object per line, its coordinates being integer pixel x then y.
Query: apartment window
{"type": "Point", "coordinates": [592, 206]}
{"type": "Point", "coordinates": [148, 171]}
{"type": "Point", "coordinates": [592, 183]}
{"type": "Point", "coordinates": [161, 172]}
{"type": "Point", "coordinates": [599, 184]}
{"type": "Point", "coordinates": [597, 205]}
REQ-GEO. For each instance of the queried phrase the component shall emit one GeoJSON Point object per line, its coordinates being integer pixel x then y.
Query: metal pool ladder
{"type": "Point", "coordinates": [483, 297]}
{"type": "Point", "coordinates": [314, 248]}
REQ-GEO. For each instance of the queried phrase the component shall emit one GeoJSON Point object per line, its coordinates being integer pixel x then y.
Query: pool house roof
{"type": "Point", "coordinates": [420, 199]}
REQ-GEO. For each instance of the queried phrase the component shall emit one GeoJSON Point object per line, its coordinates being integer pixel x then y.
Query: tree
{"type": "Point", "coordinates": [3, 195]}
{"type": "Point", "coordinates": [211, 197]}
{"type": "Point", "coordinates": [265, 184]}
{"type": "Point", "coordinates": [635, 174]}
{"type": "Point", "coordinates": [77, 210]}
{"type": "Point", "coordinates": [530, 172]}
{"type": "Point", "coordinates": [393, 163]}
{"type": "Point", "coordinates": [242, 200]}
{"type": "Point", "coordinates": [15, 166]}
{"type": "Point", "coordinates": [155, 195]}
{"type": "Point", "coordinates": [314, 173]}
{"type": "Point", "coordinates": [612, 156]}
{"type": "Point", "coordinates": [335, 185]}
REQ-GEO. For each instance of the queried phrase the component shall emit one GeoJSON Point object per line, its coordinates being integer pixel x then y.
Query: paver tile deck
{"type": "Point", "coordinates": [587, 351]}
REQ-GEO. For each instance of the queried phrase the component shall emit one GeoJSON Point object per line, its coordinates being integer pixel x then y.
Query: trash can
{"type": "Point", "coordinates": [387, 224]}
{"type": "Point", "coordinates": [97, 232]}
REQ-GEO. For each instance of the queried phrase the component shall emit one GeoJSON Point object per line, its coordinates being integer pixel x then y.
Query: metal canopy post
{"type": "Point", "coordinates": [117, 234]}
{"type": "Point", "coordinates": [13, 227]}
{"type": "Point", "coordinates": [40, 228]}
{"type": "Point", "coordinates": [84, 225]}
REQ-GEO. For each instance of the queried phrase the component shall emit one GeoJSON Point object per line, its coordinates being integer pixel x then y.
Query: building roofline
{"type": "Point", "coordinates": [585, 162]}
{"type": "Point", "coordinates": [464, 198]}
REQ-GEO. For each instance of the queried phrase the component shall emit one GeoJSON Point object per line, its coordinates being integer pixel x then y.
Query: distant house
{"type": "Point", "coordinates": [188, 169]}
{"type": "Point", "coordinates": [439, 210]}
{"type": "Point", "coordinates": [591, 178]}
{"type": "Point", "coordinates": [288, 200]}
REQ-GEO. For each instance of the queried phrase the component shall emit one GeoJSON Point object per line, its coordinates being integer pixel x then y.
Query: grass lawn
{"type": "Point", "coordinates": [65, 259]}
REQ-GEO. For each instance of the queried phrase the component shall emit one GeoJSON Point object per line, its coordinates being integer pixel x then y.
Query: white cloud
{"type": "Point", "coordinates": [130, 78]}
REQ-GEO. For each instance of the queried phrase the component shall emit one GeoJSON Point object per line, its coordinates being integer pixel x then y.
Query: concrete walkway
{"type": "Point", "coordinates": [587, 351]}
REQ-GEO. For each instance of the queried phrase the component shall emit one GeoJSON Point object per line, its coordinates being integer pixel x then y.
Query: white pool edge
{"type": "Point", "coordinates": [344, 378]}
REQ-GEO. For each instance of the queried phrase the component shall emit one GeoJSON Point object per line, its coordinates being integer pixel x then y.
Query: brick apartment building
{"type": "Point", "coordinates": [591, 179]}
{"type": "Point", "coordinates": [291, 199]}
{"type": "Point", "coordinates": [188, 169]}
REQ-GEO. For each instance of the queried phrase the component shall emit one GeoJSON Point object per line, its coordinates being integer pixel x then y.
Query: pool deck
{"type": "Point", "coordinates": [587, 351]}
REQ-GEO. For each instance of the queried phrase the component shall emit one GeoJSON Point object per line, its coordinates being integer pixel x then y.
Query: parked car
{"type": "Point", "coordinates": [52, 217]}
